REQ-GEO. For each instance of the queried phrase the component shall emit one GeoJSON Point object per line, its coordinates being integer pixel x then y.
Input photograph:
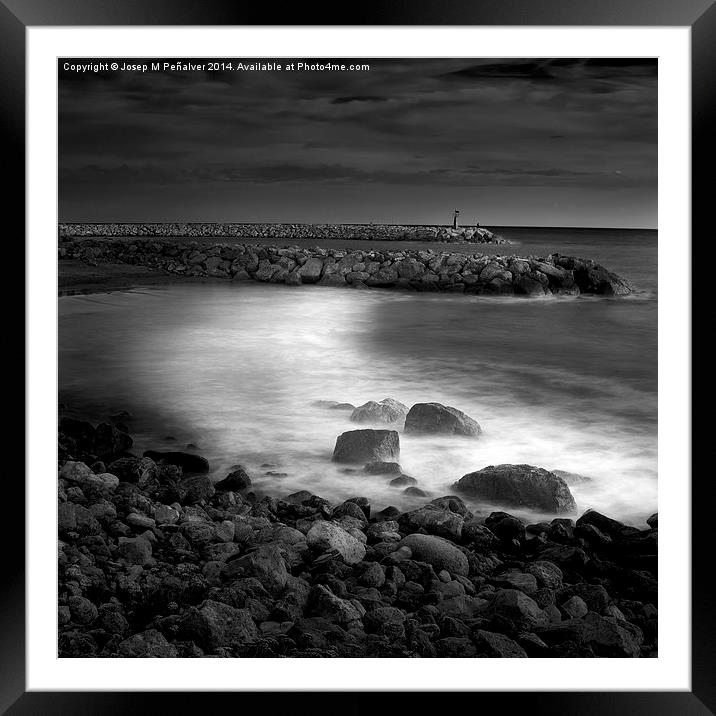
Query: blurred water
{"type": "Point", "coordinates": [555, 382]}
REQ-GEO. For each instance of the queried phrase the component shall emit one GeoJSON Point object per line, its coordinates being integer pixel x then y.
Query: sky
{"type": "Point", "coordinates": [523, 142]}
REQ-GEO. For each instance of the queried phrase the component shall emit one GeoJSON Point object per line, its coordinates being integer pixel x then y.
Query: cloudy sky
{"type": "Point", "coordinates": [508, 142]}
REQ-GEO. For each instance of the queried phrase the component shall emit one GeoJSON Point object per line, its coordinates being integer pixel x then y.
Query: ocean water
{"type": "Point", "coordinates": [560, 383]}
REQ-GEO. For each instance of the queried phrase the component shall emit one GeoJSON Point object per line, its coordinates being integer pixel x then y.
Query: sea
{"type": "Point", "coordinates": [236, 370]}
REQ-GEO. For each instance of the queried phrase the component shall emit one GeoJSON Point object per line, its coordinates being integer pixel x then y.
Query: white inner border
{"type": "Point", "coordinates": [671, 670]}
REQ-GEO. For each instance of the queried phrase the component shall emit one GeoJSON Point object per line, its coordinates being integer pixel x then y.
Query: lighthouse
{"type": "Point", "coordinates": [456, 213]}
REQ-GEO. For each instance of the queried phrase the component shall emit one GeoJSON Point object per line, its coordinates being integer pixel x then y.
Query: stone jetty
{"type": "Point", "coordinates": [427, 270]}
{"type": "Point", "coordinates": [367, 232]}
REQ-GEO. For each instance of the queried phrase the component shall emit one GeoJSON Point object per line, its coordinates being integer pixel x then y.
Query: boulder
{"type": "Point", "coordinates": [325, 536]}
{"type": "Point", "coordinates": [518, 608]}
{"type": "Point", "coordinates": [606, 525]}
{"type": "Point", "coordinates": [438, 552]}
{"type": "Point", "coordinates": [323, 603]}
{"type": "Point", "coordinates": [403, 481]}
{"type": "Point", "coordinates": [492, 644]}
{"type": "Point", "coordinates": [135, 550]}
{"type": "Point", "coordinates": [434, 520]}
{"type": "Point", "coordinates": [215, 624]}
{"type": "Point", "coordinates": [383, 468]}
{"type": "Point", "coordinates": [310, 272]}
{"type": "Point", "coordinates": [363, 446]}
{"type": "Point", "coordinates": [519, 486]}
{"type": "Point", "coordinates": [147, 644]}
{"type": "Point", "coordinates": [442, 419]}
{"type": "Point", "coordinates": [235, 481]}
{"type": "Point", "coordinates": [188, 462]}
{"type": "Point", "coordinates": [386, 411]}
{"type": "Point", "coordinates": [264, 563]}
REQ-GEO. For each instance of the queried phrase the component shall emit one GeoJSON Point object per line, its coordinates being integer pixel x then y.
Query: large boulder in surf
{"type": "Point", "coordinates": [363, 446]}
{"type": "Point", "coordinates": [387, 410]}
{"type": "Point", "coordinates": [519, 486]}
{"type": "Point", "coordinates": [188, 462]}
{"type": "Point", "coordinates": [438, 418]}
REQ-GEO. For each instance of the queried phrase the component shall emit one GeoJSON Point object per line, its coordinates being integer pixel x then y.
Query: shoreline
{"type": "Point", "coordinates": [157, 560]}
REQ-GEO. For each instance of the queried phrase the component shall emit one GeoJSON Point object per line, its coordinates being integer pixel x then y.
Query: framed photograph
{"type": "Point", "coordinates": [358, 353]}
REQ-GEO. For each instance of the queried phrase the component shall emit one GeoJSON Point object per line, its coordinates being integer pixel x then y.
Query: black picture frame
{"type": "Point", "coordinates": [699, 15]}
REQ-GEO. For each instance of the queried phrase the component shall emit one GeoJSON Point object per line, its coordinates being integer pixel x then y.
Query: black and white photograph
{"type": "Point", "coordinates": [357, 357]}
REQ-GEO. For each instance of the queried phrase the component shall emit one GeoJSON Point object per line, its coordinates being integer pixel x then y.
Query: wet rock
{"type": "Point", "coordinates": [452, 503]}
{"type": "Point", "coordinates": [518, 608]}
{"type": "Point", "coordinates": [515, 579]}
{"type": "Point", "coordinates": [324, 536]}
{"type": "Point", "coordinates": [372, 576]}
{"type": "Point", "coordinates": [386, 531]}
{"type": "Point", "coordinates": [350, 509]}
{"type": "Point", "coordinates": [437, 418]}
{"type": "Point", "coordinates": [187, 461]}
{"type": "Point", "coordinates": [492, 644]}
{"type": "Point", "coordinates": [383, 468]}
{"type": "Point", "coordinates": [519, 486]}
{"type": "Point", "coordinates": [574, 608]}
{"type": "Point", "coordinates": [147, 644]}
{"type": "Point", "coordinates": [403, 481]}
{"type": "Point", "coordinates": [323, 603]}
{"type": "Point", "coordinates": [265, 563]}
{"type": "Point", "coordinates": [364, 446]}
{"type": "Point", "coordinates": [438, 552]}
{"type": "Point", "coordinates": [434, 521]}
{"type": "Point", "coordinates": [82, 610]}
{"type": "Point", "coordinates": [505, 526]}
{"type": "Point", "coordinates": [135, 550]}
{"type": "Point", "coordinates": [415, 492]}
{"type": "Point", "coordinates": [546, 573]}
{"type": "Point", "coordinates": [214, 624]}
{"type": "Point", "coordinates": [196, 489]}
{"type": "Point", "coordinates": [387, 411]}
{"type": "Point", "coordinates": [478, 535]}
{"type": "Point", "coordinates": [235, 481]}
{"type": "Point", "coordinates": [166, 515]}
{"type": "Point", "coordinates": [375, 619]}
{"type": "Point", "coordinates": [310, 272]}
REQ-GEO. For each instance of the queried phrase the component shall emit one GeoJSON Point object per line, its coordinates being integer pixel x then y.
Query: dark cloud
{"type": "Point", "coordinates": [417, 132]}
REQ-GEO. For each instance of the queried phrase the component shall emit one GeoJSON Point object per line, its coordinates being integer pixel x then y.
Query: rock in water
{"type": "Point", "coordinates": [519, 486]}
{"type": "Point", "coordinates": [235, 481]}
{"type": "Point", "coordinates": [362, 446]}
{"type": "Point", "coordinates": [437, 418]}
{"type": "Point", "coordinates": [186, 461]}
{"type": "Point", "coordinates": [386, 411]}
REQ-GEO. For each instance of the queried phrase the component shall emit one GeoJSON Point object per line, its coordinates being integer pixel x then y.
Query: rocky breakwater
{"type": "Point", "coordinates": [415, 270]}
{"type": "Point", "coordinates": [155, 561]}
{"type": "Point", "coordinates": [367, 232]}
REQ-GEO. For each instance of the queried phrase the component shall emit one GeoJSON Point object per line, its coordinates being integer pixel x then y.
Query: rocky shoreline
{"type": "Point", "coordinates": [364, 232]}
{"type": "Point", "coordinates": [156, 560]}
{"type": "Point", "coordinates": [412, 270]}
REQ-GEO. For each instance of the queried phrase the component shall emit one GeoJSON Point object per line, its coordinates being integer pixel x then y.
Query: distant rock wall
{"type": "Point", "coordinates": [417, 270]}
{"type": "Point", "coordinates": [375, 232]}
